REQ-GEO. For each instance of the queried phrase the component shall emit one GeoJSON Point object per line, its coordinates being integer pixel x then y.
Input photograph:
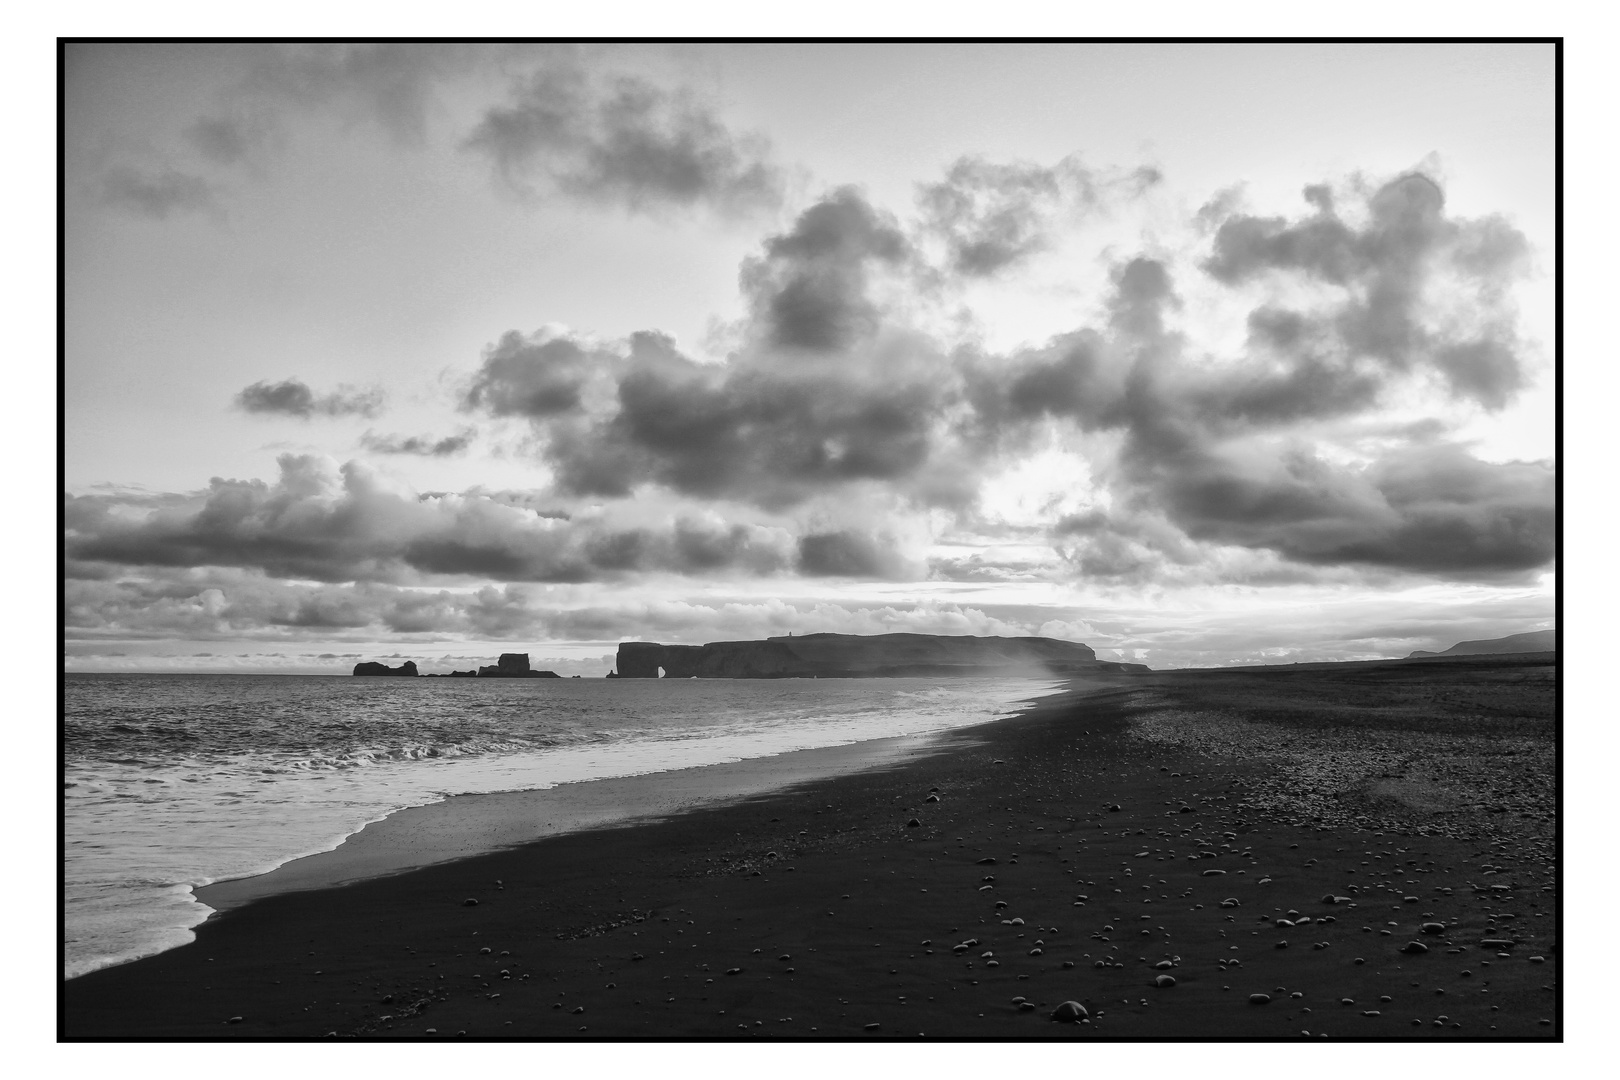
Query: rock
{"type": "Point", "coordinates": [469, 902]}
{"type": "Point", "coordinates": [987, 862]}
{"type": "Point", "coordinates": [1433, 928]}
{"type": "Point", "coordinates": [872, 1027]}
{"type": "Point", "coordinates": [1164, 982]}
{"type": "Point", "coordinates": [932, 798]}
{"type": "Point", "coordinates": [407, 669]}
{"type": "Point", "coordinates": [1259, 999]}
{"type": "Point", "coordinates": [1165, 965]}
{"type": "Point", "coordinates": [913, 823]}
{"type": "Point", "coordinates": [1414, 948]}
{"type": "Point", "coordinates": [1070, 1012]}
{"type": "Point", "coordinates": [1495, 943]}
{"type": "Point", "coordinates": [1214, 873]}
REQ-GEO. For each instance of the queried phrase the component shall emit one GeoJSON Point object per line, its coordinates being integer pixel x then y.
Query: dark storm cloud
{"type": "Point", "coordinates": [321, 525]}
{"type": "Point", "coordinates": [292, 397]}
{"type": "Point", "coordinates": [419, 445]}
{"type": "Point", "coordinates": [992, 216]}
{"type": "Point", "coordinates": [156, 193]}
{"type": "Point", "coordinates": [632, 144]}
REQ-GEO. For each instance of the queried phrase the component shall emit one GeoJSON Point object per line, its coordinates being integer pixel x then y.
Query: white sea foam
{"type": "Point", "coordinates": [178, 781]}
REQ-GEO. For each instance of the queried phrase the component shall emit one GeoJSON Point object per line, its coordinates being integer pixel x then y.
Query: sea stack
{"type": "Point", "coordinates": [514, 665]}
{"type": "Point", "coordinates": [372, 667]}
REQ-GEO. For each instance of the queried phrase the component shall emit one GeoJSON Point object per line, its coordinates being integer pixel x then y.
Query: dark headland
{"type": "Point", "coordinates": [1358, 850]}
{"type": "Point", "coordinates": [852, 656]}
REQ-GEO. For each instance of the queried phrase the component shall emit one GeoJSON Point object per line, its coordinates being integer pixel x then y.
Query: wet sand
{"type": "Point", "coordinates": [1165, 851]}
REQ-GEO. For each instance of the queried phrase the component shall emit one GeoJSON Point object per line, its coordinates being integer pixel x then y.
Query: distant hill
{"type": "Point", "coordinates": [1535, 641]}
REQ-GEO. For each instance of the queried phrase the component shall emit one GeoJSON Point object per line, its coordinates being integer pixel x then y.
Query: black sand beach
{"type": "Point", "coordinates": [1245, 853]}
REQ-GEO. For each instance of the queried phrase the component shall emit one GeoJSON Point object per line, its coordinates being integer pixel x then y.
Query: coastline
{"type": "Point", "coordinates": [674, 927]}
{"type": "Point", "coordinates": [465, 826]}
{"type": "Point", "coordinates": [241, 845]}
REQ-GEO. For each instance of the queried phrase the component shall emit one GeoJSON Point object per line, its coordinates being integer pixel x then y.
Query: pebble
{"type": "Point", "coordinates": [1414, 947]}
{"type": "Point", "coordinates": [1070, 1012]}
{"type": "Point", "coordinates": [1164, 982]}
{"type": "Point", "coordinates": [469, 902]}
{"type": "Point", "coordinates": [1259, 999]}
{"type": "Point", "coordinates": [871, 1027]}
{"type": "Point", "coordinates": [1433, 928]}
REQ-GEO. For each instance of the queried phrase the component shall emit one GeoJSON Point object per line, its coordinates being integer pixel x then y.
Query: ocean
{"type": "Point", "coordinates": [176, 781]}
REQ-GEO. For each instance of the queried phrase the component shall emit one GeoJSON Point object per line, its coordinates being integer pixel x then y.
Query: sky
{"type": "Point", "coordinates": [1198, 354]}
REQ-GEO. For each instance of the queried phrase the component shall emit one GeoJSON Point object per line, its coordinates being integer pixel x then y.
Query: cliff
{"type": "Point", "coordinates": [1535, 641]}
{"type": "Point", "coordinates": [371, 667]}
{"type": "Point", "coordinates": [847, 656]}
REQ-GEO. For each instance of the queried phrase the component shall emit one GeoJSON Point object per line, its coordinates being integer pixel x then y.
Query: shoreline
{"type": "Point", "coordinates": [467, 825]}
{"type": "Point", "coordinates": [542, 797]}
{"type": "Point", "coordinates": [820, 909]}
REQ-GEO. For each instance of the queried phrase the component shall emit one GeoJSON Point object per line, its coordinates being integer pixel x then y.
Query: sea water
{"type": "Point", "coordinates": [176, 781]}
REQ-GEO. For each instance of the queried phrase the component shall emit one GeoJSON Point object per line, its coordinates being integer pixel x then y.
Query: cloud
{"type": "Point", "coordinates": [322, 523]}
{"type": "Point", "coordinates": [1388, 275]}
{"type": "Point", "coordinates": [809, 289]}
{"type": "Point", "coordinates": [835, 390]}
{"type": "Point", "coordinates": [630, 144]}
{"type": "Point", "coordinates": [201, 607]}
{"type": "Point", "coordinates": [419, 445]}
{"type": "Point", "coordinates": [824, 394]}
{"type": "Point", "coordinates": [992, 216]}
{"type": "Point", "coordinates": [157, 193]}
{"type": "Point", "coordinates": [292, 397]}
{"type": "Point", "coordinates": [848, 553]}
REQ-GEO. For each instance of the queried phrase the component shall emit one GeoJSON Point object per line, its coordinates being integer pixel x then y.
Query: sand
{"type": "Point", "coordinates": [1147, 836]}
